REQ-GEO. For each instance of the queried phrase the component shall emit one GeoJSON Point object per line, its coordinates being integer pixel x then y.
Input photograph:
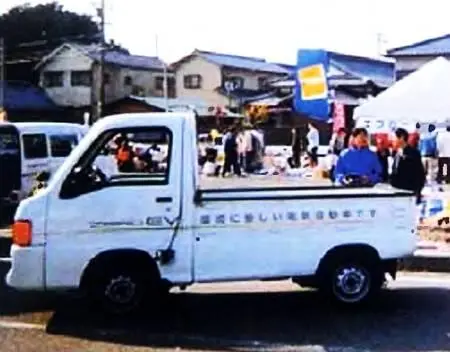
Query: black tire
{"type": "Point", "coordinates": [121, 290]}
{"type": "Point", "coordinates": [351, 281]}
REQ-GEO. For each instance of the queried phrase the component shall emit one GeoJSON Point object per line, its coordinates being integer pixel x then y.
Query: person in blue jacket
{"type": "Point", "coordinates": [358, 162]}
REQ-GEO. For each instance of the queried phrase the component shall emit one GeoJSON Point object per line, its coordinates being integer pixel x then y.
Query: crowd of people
{"type": "Point", "coordinates": [404, 162]}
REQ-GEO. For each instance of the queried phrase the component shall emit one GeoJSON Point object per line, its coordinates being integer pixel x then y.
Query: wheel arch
{"type": "Point", "coordinates": [348, 250]}
{"type": "Point", "coordinates": [130, 256]}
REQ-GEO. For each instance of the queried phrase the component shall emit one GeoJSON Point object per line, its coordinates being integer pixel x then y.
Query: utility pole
{"type": "Point", "coordinates": [101, 97]}
{"type": "Point", "coordinates": [381, 41]}
{"type": "Point", "coordinates": [165, 88]}
{"type": "Point", "coordinates": [2, 74]}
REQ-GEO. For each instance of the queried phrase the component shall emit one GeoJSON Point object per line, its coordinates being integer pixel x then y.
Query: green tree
{"type": "Point", "coordinates": [24, 25]}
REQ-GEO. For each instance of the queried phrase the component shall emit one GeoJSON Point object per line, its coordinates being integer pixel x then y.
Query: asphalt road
{"type": "Point", "coordinates": [412, 314]}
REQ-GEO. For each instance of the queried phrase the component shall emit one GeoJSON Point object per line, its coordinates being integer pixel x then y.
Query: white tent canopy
{"type": "Point", "coordinates": [422, 97]}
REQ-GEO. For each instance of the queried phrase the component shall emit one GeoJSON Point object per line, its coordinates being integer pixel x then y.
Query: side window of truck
{"type": "Point", "coordinates": [135, 154]}
{"type": "Point", "coordinates": [35, 146]}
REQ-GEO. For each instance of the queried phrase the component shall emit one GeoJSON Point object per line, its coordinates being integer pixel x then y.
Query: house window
{"type": "Point", "coordinates": [238, 82]}
{"type": "Point", "coordinates": [262, 82]}
{"type": "Point", "coordinates": [128, 81]}
{"type": "Point", "coordinates": [106, 78]}
{"type": "Point", "coordinates": [159, 83]}
{"type": "Point", "coordinates": [192, 81]}
{"type": "Point", "coordinates": [53, 79]}
{"type": "Point", "coordinates": [80, 78]}
{"type": "Point", "coordinates": [138, 91]}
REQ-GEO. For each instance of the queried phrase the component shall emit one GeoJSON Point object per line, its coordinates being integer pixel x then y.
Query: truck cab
{"type": "Point", "coordinates": [132, 233]}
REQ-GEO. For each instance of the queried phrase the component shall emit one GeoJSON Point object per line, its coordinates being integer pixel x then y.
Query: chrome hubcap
{"type": "Point", "coordinates": [121, 290]}
{"type": "Point", "coordinates": [351, 284]}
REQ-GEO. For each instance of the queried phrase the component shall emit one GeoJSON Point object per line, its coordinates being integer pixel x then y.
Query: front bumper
{"type": "Point", "coordinates": [27, 268]}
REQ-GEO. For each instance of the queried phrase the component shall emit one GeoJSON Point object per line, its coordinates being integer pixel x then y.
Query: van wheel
{"type": "Point", "coordinates": [120, 290]}
{"type": "Point", "coordinates": [351, 282]}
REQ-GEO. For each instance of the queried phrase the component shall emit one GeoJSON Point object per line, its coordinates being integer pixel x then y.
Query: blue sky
{"type": "Point", "coordinates": [270, 29]}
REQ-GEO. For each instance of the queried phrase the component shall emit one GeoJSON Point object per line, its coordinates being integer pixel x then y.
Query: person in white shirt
{"type": "Point", "coordinates": [313, 139]}
{"type": "Point", "coordinates": [443, 149]}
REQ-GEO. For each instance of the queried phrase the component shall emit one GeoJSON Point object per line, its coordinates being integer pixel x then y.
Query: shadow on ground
{"type": "Point", "coordinates": [402, 320]}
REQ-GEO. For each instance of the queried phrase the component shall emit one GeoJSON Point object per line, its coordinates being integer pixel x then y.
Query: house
{"type": "Point", "coordinates": [224, 80]}
{"type": "Point", "coordinates": [24, 102]}
{"type": "Point", "coordinates": [71, 75]}
{"type": "Point", "coordinates": [410, 57]}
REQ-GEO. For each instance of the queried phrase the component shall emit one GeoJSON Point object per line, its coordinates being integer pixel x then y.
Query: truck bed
{"type": "Point", "coordinates": [213, 183]}
{"type": "Point", "coordinates": [284, 188]}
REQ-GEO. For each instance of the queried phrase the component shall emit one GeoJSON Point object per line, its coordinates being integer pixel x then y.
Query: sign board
{"type": "Point", "coordinates": [383, 125]}
{"type": "Point", "coordinates": [311, 84]}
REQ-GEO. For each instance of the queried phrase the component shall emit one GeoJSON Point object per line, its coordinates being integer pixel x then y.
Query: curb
{"type": "Point", "coordinates": [438, 263]}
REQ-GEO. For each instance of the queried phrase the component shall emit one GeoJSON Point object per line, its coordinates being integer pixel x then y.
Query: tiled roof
{"type": "Point", "coordinates": [351, 70]}
{"type": "Point", "coordinates": [123, 58]}
{"type": "Point", "coordinates": [379, 71]}
{"type": "Point", "coordinates": [24, 96]}
{"type": "Point", "coordinates": [113, 57]}
{"type": "Point", "coordinates": [433, 46]}
{"type": "Point", "coordinates": [242, 62]}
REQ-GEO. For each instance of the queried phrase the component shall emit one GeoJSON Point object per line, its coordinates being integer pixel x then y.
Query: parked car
{"type": "Point", "coordinates": [29, 149]}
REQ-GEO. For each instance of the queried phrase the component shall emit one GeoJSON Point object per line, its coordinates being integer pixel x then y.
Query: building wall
{"type": "Point", "coordinates": [142, 81]}
{"type": "Point", "coordinates": [213, 77]}
{"type": "Point", "coordinates": [68, 60]}
{"type": "Point", "coordinates": [409, 63]}
{"type": "Point", "coordinates": [211, 80]}
{"type": "Point", "coordinates": [251, 79]}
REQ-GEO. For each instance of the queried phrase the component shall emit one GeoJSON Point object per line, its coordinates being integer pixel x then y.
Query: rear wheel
{"type": "Point", "coordinates": [351, 281]}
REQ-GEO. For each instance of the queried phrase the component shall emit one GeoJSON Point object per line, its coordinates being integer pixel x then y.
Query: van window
{"type": "Point", "coordinates": [62, 145]}
{"type": "Point", "coordinates": [35, 146]}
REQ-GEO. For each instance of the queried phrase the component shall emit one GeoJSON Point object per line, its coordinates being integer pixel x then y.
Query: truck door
{"type": "Point", "coordinates": [136, 208]}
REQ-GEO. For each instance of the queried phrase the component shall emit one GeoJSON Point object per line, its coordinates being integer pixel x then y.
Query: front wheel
{"type": "Point", "coordinates": [120, 291]}
{"type": "Point", "coordinates": [351, 282]}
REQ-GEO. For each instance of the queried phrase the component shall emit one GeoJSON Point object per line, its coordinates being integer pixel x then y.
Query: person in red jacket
{"type": "Point", "coordinates": [124, 157]}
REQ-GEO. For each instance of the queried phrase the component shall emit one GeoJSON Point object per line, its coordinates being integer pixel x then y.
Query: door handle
{"type": "Point", "coordinates": [164, 200]}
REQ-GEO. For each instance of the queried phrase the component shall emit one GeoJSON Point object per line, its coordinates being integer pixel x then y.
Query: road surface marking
{"type": "Point", "coordinates": [9, 324]}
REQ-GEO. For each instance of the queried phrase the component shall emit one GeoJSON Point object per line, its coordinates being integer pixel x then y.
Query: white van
{"type": "Point", "coordinates": [29, 148]}
{"type": "Point", "coordinates": [129, 233]}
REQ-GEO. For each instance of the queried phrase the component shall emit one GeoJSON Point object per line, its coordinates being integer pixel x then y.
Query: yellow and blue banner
{"type": "Point", "coordinates": [311, 96]}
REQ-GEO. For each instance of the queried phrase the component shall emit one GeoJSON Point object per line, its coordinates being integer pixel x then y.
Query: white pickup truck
{"type": "Point", "coordinates": [127, 236]}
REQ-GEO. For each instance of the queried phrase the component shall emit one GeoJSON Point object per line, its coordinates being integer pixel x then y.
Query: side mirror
{"type": "Point", "coordinates": [43, 176]}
